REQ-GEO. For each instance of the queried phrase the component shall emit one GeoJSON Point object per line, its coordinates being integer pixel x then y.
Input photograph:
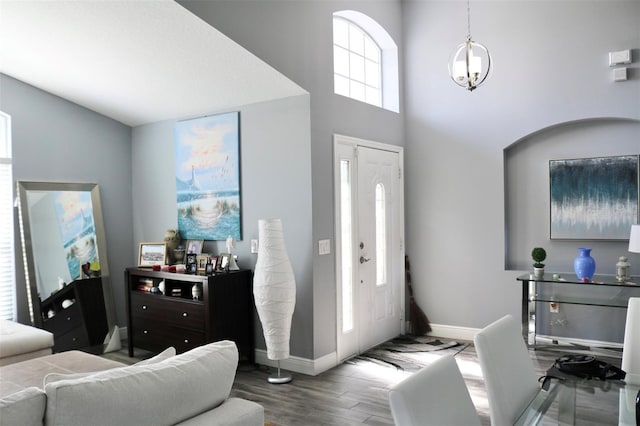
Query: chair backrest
{"type": "Point", "coordinates": [631, 348]}
{"type": "Point", "coordinates": [434, 396]}
{"type": "Point", "coordinates": [508, 372]}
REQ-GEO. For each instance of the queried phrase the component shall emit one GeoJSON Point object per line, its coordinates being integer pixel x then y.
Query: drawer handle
{"type": "Point", "coordinates": [74, 339]}
{"type": "Point", "coordinates": [186, 340]}
{"type": "Point", "coordinates": [68, 318]}
{"type": "Point", "coordinates": [144, 307]}
{"type": "Point", "coordinates": [184, 314]}
{"type": "Point", "coordinates": [146, 331]}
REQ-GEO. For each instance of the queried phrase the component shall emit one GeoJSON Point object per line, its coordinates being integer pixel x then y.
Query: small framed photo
{"type": "Point", "coordinates": [191, 263]}
{"type": "Point", "coordinates": [194, 246]}
{"type": "Point", "coordinates": [202, 260]}
{"type": "Point", "coordinates": [214, 263]}
{"type": "Point", "coordinates": [208, 268]}
{"type": "Point", "coordinates": [151, 254]}
{"type": "Point", "coordinates": [223, 260]}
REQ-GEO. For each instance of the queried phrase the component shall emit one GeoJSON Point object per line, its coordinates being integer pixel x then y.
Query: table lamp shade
{"type": "Point", "coordinates": [631, 348]}
{"type": "Point", "coordinates": [634, 239]}
{"type": "Point", "coordinates": [274, 288]}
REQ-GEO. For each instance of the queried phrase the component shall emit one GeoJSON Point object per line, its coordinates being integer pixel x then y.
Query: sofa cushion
{"type": "Point", "coordinates": [167, 392]}
{"type": "Point", "coordinates": [23, 408]}
{"type": "Point", "coordinates": [54, 377]}
{"type": "Point", "coordinates": [17, 340]}
{"type": "Point", "coordinates": [21, 375]}
{"type": "Point", "coordinates": [232, 412]}
{"type": "Point", "coordinates": [166, 354]}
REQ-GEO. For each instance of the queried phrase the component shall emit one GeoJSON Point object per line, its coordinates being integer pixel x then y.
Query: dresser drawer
{"type": "Point", "coordinates": [167, 311]}
{"type": "Point", "coordinates": [150, 335]}
{"type": "Point", "coordinates": [73, 339]}
{"type": "Point", "coordinates": [64, 320]}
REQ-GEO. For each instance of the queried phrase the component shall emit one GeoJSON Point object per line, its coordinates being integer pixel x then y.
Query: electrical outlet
{"type": "Point", "coordinates": [554, 307]}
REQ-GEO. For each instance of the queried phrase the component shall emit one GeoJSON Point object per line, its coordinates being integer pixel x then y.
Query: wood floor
{"type": "Point", "coordinates": [357, 395]}
{"type": "Point", "coordinates": [352, 394]}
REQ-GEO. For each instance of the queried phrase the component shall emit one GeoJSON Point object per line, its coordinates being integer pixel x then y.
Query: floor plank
{"type": "Point", "coordinates": [352, 394]}
{"type": "Point", "coordinates": [356, 395]}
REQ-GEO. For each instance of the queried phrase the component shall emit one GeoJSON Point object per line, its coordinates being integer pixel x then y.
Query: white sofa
{"type": "Point", "coordinates": [187, 389]}
{"type": "Point", "coordinates": [19, 342]}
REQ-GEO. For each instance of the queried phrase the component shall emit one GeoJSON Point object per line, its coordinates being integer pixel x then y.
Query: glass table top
{"type": "Point", "coordinates": [570, 278]}
{"type": "Point", "coordinates": [583, 402]}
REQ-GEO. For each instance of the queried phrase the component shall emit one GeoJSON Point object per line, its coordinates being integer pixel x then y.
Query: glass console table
{"type": "Point", "coordinates": [598, 305]}
{"type": "Point", "coordinates": [583, 402]}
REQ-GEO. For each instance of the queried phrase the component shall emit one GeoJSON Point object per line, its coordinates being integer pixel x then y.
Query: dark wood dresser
{"type": "Point", "coordinates": [76, 315]}
{"type": "Point", "coordinates": [222, 310]}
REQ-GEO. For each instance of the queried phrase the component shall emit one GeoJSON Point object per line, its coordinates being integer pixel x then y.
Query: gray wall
{"type": "Point", "coordinates": [275, 172]}
{"type": "Point", "coordinates": [454, 140]}
{"type": "Point", "coordinates": [58, 141]}
{"type": "Point", "coordinates": [527, 191]}
{"type": "Point", "coordinates": [550, 68]}
{"type": "Point", "coordinates": [296, 39]}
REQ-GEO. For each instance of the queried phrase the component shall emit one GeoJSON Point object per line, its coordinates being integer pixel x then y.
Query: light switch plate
{"type": "Point", "coordinates": [324, 247]}
{"type": "Point", "coordinates": [254, 246]}
{"type": "Point", "coordinates": [619, 57]}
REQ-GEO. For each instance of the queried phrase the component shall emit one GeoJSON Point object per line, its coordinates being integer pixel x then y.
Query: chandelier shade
{"type": "Point", "coordinates": [470, 64]}
{"type": "Point", "coordinates": [466, 65]}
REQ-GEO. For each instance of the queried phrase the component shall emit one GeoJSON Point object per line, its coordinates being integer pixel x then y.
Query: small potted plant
{"type": "Point", "coordinates": [538, 254]}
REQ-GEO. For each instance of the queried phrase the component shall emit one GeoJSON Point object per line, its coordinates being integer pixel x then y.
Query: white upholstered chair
{"type": "Point", "coordinates": [631, 349]}
{"type": "Point", "coordinates": [508, 371]}
{"type": "Point", "coordinates": [434, 396]}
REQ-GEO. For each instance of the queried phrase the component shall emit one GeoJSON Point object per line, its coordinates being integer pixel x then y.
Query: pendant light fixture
{"type": "Point", "coordinates": [470, 63]}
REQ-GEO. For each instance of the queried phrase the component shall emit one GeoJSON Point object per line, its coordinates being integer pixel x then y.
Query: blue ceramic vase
{"type": "Point", "coordinates": [584, 265]}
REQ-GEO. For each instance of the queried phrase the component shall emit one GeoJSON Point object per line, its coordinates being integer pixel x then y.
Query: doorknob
{"type": "Point", "coordinates": [364, 259]}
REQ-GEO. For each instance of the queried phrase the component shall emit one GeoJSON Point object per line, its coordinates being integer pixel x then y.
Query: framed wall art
{"type": "Point", "coordinates": [151, 254]}
{"type": "Point", "coordinates": [208, 177]}
{"type": "Point", "coordinates": [593, 198]}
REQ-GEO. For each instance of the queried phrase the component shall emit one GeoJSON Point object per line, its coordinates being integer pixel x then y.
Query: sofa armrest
{"type": "Point", "coordinates": [233, 412]}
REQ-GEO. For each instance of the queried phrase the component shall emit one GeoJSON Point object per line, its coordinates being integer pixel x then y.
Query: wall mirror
{"type": "Point", "coordinates": [65, 255]}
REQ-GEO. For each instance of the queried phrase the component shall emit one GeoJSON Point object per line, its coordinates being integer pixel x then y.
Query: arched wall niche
{"type": "Point", "coordinates": [526, 180]}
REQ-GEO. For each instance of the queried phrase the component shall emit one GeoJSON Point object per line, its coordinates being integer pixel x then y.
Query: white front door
{"type": "Point", "coordinates": [369, 251]}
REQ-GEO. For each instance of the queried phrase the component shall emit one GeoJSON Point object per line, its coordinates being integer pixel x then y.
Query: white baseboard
{"type": "Point", "coordinates": [453, 332]}
{"type": "Point", "coordinates": [310, 367]}
{"type": "Point", "coordinates": [555, 340]}
{"type": "Point", "coordinates": [313, 367]}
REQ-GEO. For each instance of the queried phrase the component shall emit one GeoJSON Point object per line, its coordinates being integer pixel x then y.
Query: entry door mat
{"type": "Point", "coordinates": [409, 353]}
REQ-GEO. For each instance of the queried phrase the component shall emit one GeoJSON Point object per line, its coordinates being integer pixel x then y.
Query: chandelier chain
{"type": "Point", "coordinates": [468, 20]}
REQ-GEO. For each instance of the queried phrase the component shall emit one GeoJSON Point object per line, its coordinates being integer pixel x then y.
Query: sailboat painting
{"type": "Point", "coordinates": [74, 212]}
{"type": "Point", "coordinates": [208, 177]}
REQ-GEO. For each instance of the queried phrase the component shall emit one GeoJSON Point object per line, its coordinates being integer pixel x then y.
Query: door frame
{"type": "Point", "coordinates": [339, 143]}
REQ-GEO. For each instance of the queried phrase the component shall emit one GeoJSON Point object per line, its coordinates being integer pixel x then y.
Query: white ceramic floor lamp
{"type": "Point", "coordinates": [274, 291]}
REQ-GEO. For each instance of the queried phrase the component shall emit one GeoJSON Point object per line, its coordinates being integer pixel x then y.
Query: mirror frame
{"type": "Point", "coordinates": [27, 245]}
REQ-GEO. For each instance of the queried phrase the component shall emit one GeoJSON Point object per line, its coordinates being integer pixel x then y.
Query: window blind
{"type": "Point", "coordinates": [7, 261]}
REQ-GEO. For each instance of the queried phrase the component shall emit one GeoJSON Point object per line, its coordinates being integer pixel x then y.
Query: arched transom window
{"type": "Point", "coordinates": [356, 59]}
{"type": "Point", "coordinates": [365, 60]}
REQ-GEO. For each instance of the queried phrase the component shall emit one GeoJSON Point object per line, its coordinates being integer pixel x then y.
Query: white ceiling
{"type": "Point", "coordinates": [135, 61]}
